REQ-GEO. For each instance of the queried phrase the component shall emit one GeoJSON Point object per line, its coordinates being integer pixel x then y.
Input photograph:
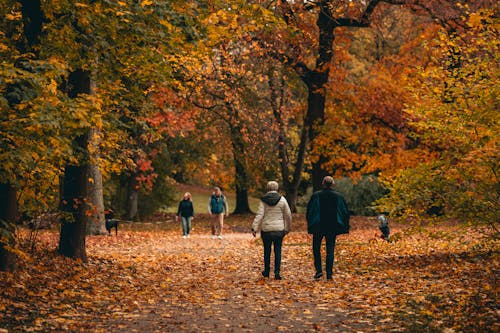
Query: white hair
{"type": "Point", "coordinates": [272, 186]}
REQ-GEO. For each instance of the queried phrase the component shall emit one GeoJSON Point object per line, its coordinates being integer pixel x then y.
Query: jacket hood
{"type": "Point", "coordinates": [271, 198]}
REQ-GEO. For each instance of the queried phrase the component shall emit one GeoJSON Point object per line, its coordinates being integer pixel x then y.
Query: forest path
{"type": "Point", "coordinates": [211, 285]}
{"type": "Point", "coordinates": [439, 278]}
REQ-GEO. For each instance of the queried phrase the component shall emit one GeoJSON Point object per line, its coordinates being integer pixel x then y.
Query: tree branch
{"type": "Point", "coordinates": [363, 22]}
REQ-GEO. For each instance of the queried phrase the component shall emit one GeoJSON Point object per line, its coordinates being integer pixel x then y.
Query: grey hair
{"type": "Point", "coordinates": [328, 181]}
{"type": "Point", "coordinates": [272, 186]}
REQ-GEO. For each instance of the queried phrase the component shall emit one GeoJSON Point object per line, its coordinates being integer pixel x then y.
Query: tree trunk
{"type": "Point", "coordinates": [75, 189]}
{"type": "Point", "coordinates": [132, 197]}
{"type": "Point", "coordinates": [290, 178]}
{"type": "Point", "coordinates": [32, 27]}
{"type": "Point", "coordinates": [314, 122]}
{"type": "Point", "coordinates": [96, 196]}
{"type": "Point", "coordinates": [32, 23]}
{"type": "Point", "coordinates": [317, 79]}
{"type": "Point", "coordinates": [316, 82]}
{"type": "Point", "coordinates": [241, 175]}
{"type": "Point", "coordinates": [74, 200]}
{"type": "Point", "coordinates": [8, 213]}
{"type": "Point", "coordinates": [241, 206]}
{"type": "Point", "coordinates": [291, 184]}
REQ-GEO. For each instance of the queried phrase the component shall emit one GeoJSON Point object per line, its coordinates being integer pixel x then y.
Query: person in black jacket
{"type": "Point", "coordinates": [327, 216]}
{"type": "Point", "coordinates": [186, 213]}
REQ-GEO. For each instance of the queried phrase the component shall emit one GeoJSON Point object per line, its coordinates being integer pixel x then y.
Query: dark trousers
{"type": "Point", "coordinates": [330, 248]}
{"type": "Point", "coordinates": [268, 239]}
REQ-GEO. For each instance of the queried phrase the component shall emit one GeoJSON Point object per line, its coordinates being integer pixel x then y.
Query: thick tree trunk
{"type": "Point", "coordinates": [315, 120]}
{"type": "Point", "coordinates": [241, 175]}
{"type": "Point", "coordinates": [74, 200]}
{"type": "Point", "coordinates": [32, 23]}
{"type": "Point", "coordinates": [132, 198]}
{"type": "Point", "coordinates": [75, 189]}
{"type": "Point", "coordinates": [242, 206]}
{"type": "Point", "coordinates": [8, 213]}
{"type": "Point", "coordinates": [316, 82]}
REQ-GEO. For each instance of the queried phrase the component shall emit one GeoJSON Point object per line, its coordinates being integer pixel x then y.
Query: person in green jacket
{"type": "Point", "coordinates": [327, 216]}
{"type": "Point", "coordinates": [217, 208]}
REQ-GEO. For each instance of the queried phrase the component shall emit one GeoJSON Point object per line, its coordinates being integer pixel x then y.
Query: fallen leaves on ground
{"type": "Point", "coordinates": [148, 278]}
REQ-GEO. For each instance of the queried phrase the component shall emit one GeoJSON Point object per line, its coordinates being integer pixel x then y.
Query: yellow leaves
{"type": "Point", "coordinates": [52, 86]}
{"type": "Point", "coordinates": [474, 20]}
{"type": "Point", "coordinates": [14, 16]}
{"type": "Point", "coordinates": [166, 24]}
{"type": "Point", "coordinates": [145, 3]}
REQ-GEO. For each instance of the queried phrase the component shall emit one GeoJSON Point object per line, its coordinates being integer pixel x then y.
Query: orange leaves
{"type": "Point", "coordinates": [148, 278]}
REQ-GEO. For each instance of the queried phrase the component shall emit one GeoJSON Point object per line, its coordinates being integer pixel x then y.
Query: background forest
{"type": "Point", "coordinates": [110, 104]}
{"type": "Point", "coordinates": [126, 104]}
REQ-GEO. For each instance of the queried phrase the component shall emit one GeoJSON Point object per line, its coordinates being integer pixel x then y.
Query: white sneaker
{"type": "Point", "coordinates": [184, 236]}
{"type": "Point", "coordinates": [214, 237]}
{"type": "Point", "coordinates": [220, 236]}
{"type": "Point", "coordinates": [187, 236]}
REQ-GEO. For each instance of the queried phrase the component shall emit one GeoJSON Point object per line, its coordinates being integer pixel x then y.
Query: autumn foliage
{"type": "Point", "coordinates": [149, 93]}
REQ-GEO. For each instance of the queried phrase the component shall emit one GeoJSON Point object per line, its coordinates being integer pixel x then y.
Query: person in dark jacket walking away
{"type": "Point", "coordinates": [327, 216]}
{"type": "Point", "coordinates": [217, 208]}
{"type": "Point", "coordinates": [186, 213]}
{"type": "Point", "coordinates": [273, 219]}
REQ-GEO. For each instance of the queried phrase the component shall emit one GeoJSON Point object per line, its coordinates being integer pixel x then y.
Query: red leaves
{"type": "Point", "coordinates": [173, 115]}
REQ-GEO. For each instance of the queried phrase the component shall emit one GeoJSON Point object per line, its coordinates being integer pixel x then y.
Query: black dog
{"type": "Point", "coordinates": [111, 222]}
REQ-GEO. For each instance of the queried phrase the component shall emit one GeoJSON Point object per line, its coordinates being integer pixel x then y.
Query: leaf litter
{"type": "Point", "coordinates": [151, 279]}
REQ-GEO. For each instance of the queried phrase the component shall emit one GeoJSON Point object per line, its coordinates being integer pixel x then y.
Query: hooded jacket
{"type": "Point", "coordinates": [273, 213]}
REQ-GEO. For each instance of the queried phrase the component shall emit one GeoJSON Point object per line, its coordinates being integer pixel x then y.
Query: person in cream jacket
{"type": "Point", "coordinates": [274, 220]}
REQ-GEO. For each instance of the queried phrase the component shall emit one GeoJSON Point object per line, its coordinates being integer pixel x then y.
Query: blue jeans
{"type": "Point", "coordinates": [268, 239]}
{"type": "Point", "coordinates": [186, 225]}
{"type": "Point", "coordinates": [330, 248]}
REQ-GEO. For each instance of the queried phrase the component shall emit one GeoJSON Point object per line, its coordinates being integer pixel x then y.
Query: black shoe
{"type": "Point", "coordinates": [277, 277]}
{"type": "Point", "coordinates": [265, 274]}
{"type": "Point", "coordinates": [318, 275]}
{"type": "Point", "coordinates": [328, 277]}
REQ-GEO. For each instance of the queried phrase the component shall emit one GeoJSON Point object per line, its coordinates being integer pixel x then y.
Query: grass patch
{"type": "Point", "coordinates": [201, 195]}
